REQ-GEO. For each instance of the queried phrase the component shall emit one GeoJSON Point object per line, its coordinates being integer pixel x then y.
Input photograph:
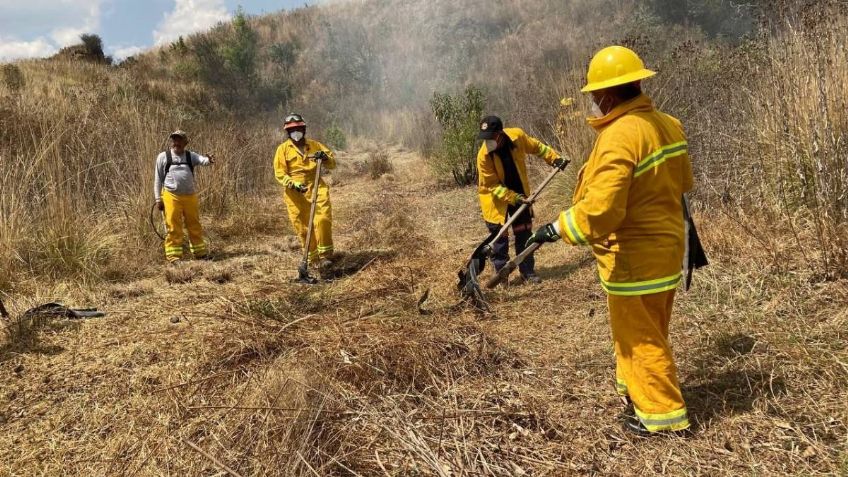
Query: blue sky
{"type": "Point", "coordinates": [38, 28]}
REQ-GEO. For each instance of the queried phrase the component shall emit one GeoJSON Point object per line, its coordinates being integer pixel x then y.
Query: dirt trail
{"type": "Point", "coordinates": [348, 378]}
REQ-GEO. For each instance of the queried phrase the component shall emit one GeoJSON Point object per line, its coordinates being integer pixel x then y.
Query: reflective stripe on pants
{"type": "Point", "coordinates": [182, 211]}
{"type": "Point", "coordinates": [645, 367]}
{"type": "Point", "coordinates": [299, 206]}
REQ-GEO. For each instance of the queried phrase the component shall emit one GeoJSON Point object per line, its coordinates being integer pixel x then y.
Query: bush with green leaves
{"type": "Point", "coordinates": [335, 137]}
{"type": "Point", "coordinates": [240, 50]}
{"type": "Point", "coordinates": [226, 60]}
{"type": "Point", "coordinates": [93, 44]}
{"type": "Point", "coordinates": [284, 54]}
{"type": "Point", "coordinates": [459, 117]}
{"type": "Point", "coordinates": [13, 77]}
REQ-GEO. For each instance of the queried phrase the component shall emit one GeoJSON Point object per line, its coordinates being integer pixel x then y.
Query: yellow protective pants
{"type": "Point", "coordinates": [182, 210]}
{"type": "Point", "coordinates": [645, 368]}
{"type": "Point", "coordinates": [299, 206]}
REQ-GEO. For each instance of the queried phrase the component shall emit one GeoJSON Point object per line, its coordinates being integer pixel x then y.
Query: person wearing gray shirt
{"type": "Point", "coordinates": [176, 195]}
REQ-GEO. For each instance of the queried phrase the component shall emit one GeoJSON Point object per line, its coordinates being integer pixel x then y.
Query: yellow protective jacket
{"type": "Point", "coordinates": [495, 198]}
{"type": "Point", "coordinates": [628, 199]}
{"type": "Point", "coordinates": [290, 165]}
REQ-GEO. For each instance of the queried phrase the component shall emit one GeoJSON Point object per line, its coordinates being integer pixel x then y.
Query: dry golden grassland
{"type": "Point", "coordinates": [227, 367]}
{"type": "Point", "coordinates": [267, 377]}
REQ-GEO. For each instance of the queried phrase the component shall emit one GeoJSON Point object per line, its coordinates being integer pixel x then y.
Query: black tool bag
{"type": "Point", "coordinates": [695, 256]}
{"type": "Point", "coordinates": [61, 311]}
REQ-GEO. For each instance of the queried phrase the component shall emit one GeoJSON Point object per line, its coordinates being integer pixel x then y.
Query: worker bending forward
{"type": "Point", "coordinates": [628, 206]}
{"type": "Point", "coordinates": [503, 187]}
{"type": "Point", "coordinates": [295, 168]}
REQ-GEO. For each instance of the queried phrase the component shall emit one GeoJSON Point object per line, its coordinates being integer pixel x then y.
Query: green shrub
{"type": "Point", "coordinates": [335, 138]}
{"type": "Point", "coordinates": [240, 50]}
{"type": "Point", "coordinates": [13, 77]}
{"type": "Point", "coordinates": [459, 117]}
{"type": "Point", "coordinates": [226, 62]}
{"type": "Point", "coordinates": [93, 45]}
{"type": "Point", "coordinates": [284, 55]}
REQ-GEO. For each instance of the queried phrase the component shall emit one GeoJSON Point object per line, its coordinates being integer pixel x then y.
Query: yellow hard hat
{"type": "Point", "coordinates": [615, 66]}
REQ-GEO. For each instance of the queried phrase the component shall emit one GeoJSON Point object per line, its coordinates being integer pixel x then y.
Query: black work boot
{"type": "Point", "coordinates": [633, 425]}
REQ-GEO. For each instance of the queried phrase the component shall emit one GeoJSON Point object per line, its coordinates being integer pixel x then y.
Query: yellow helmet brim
{"type": "Point", "coordinates": [618, 81]}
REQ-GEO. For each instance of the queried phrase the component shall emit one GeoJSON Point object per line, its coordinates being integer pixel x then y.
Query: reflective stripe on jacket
{"type": "Point", "coordinates": [627, 203]}
{"type": "Point", "coordinates": [495, 197]}
{"type": "Point", "coordinates": [290, 165]}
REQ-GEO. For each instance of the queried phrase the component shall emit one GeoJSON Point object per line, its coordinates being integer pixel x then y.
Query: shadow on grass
{"type": "Point", "coordinates": [565, 269]}
{"type": "Point", "coordinates": [728, 392]}
{"type": "Point", "coordinates": [221, 256]}
{"type": "Point", "coordinates": [23, 337]}
{"type": "Point", "coordinates": [350, 264]}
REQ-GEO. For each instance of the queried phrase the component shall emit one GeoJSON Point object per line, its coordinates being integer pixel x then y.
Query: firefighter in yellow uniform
{"type": "Point", "coordinates": [503, 186]}
{"type": "Point", "coordinates": [295, 168]}
{"type": "Point", "coordinates": [628, 206]}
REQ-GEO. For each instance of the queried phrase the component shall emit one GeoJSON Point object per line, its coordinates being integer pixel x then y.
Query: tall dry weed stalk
{"type": "Point", "coordinates": [76, 165]}
{"type": "Point", "coordinates": [799, 117]}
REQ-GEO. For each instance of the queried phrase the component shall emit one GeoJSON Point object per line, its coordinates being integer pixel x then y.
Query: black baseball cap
{"type": "Point", "coordinates": [489, 127]}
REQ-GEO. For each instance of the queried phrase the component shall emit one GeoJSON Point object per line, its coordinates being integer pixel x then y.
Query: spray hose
{"type": "Point", "coordinates": [152, 219]}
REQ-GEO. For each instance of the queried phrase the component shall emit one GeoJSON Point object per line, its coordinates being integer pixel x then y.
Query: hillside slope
{"type": "Point", "coordinates": [230, 364]}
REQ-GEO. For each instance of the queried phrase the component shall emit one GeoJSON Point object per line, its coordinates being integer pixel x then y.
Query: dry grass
{"type": "Point", "coordinates": [379, 164]}
{"type": "Point", "coordinates": [231, 367]}
{"type": "Point", "coordinates": [267, 377]}
{"type": "Point", "coordinates": [77, 158]}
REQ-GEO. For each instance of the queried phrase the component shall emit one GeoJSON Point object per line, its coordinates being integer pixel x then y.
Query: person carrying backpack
{"type": "Point", "coordinates": [174, 190]}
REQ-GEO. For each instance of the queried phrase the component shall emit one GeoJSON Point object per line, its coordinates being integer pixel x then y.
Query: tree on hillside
{"type": "Point", "coordinates": [459, 117]}
{"type": "Point", "coordinates": [90, 49]}
{"type": "Point", "coordinates": [225, 59]}
{"type": "Point", "coordinates": [240, 50]}
{"type": "Point", "coordinates": [93, 45]}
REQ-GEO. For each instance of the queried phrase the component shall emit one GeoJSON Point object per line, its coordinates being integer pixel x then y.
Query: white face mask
{"type": "Point", "coordinates": [296, 136]}
{"type": "Point", "coordinates": [596, 110]}
{"type": "Point", "coordinates": [491, 145]}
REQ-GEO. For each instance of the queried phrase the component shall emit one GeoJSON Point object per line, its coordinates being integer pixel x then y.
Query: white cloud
{"type": "Point", "coordinates": [87, 22]}
{"type": "Point", "coordinates": [190, 16]}
{"type": "Point", "coordinates": [123, 52]}
{"type": "Point", "coordinates": [15, 50]}
{"type": "Point", "coordinates": [47, 25]}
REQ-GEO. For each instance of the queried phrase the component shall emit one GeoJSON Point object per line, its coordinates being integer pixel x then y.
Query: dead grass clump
{"type": "Point", "coordinates": [220, 274]}
{"type": "Point", "coordinates": [348, 168]}
{"type": "Point", "coordinates": [130, 290]}
{"type": "Point", "coordinates": [252, 217]}
{"type": "Point", "coordinates": [69, 248]}
{"type": "Point", "coordinates": [182, 273]}
{"type": "Point", "coordinates": [283, 309]}
{"type": "Point", "coordinates": [13, 77]}
{"type": "Point", "coordinates": [379, 164]}
{"type": "Point", "coordinates": [291, 243]}
{"type": "Point", "coordinates": [22, 331]}
{"type": "Point", "coordinates": [409, 359]}
{"type": "Point", "coordinates": [393, 229]}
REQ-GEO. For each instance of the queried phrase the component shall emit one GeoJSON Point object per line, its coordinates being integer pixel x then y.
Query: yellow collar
{"type": "Point", "coordinates": [641, 103]}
